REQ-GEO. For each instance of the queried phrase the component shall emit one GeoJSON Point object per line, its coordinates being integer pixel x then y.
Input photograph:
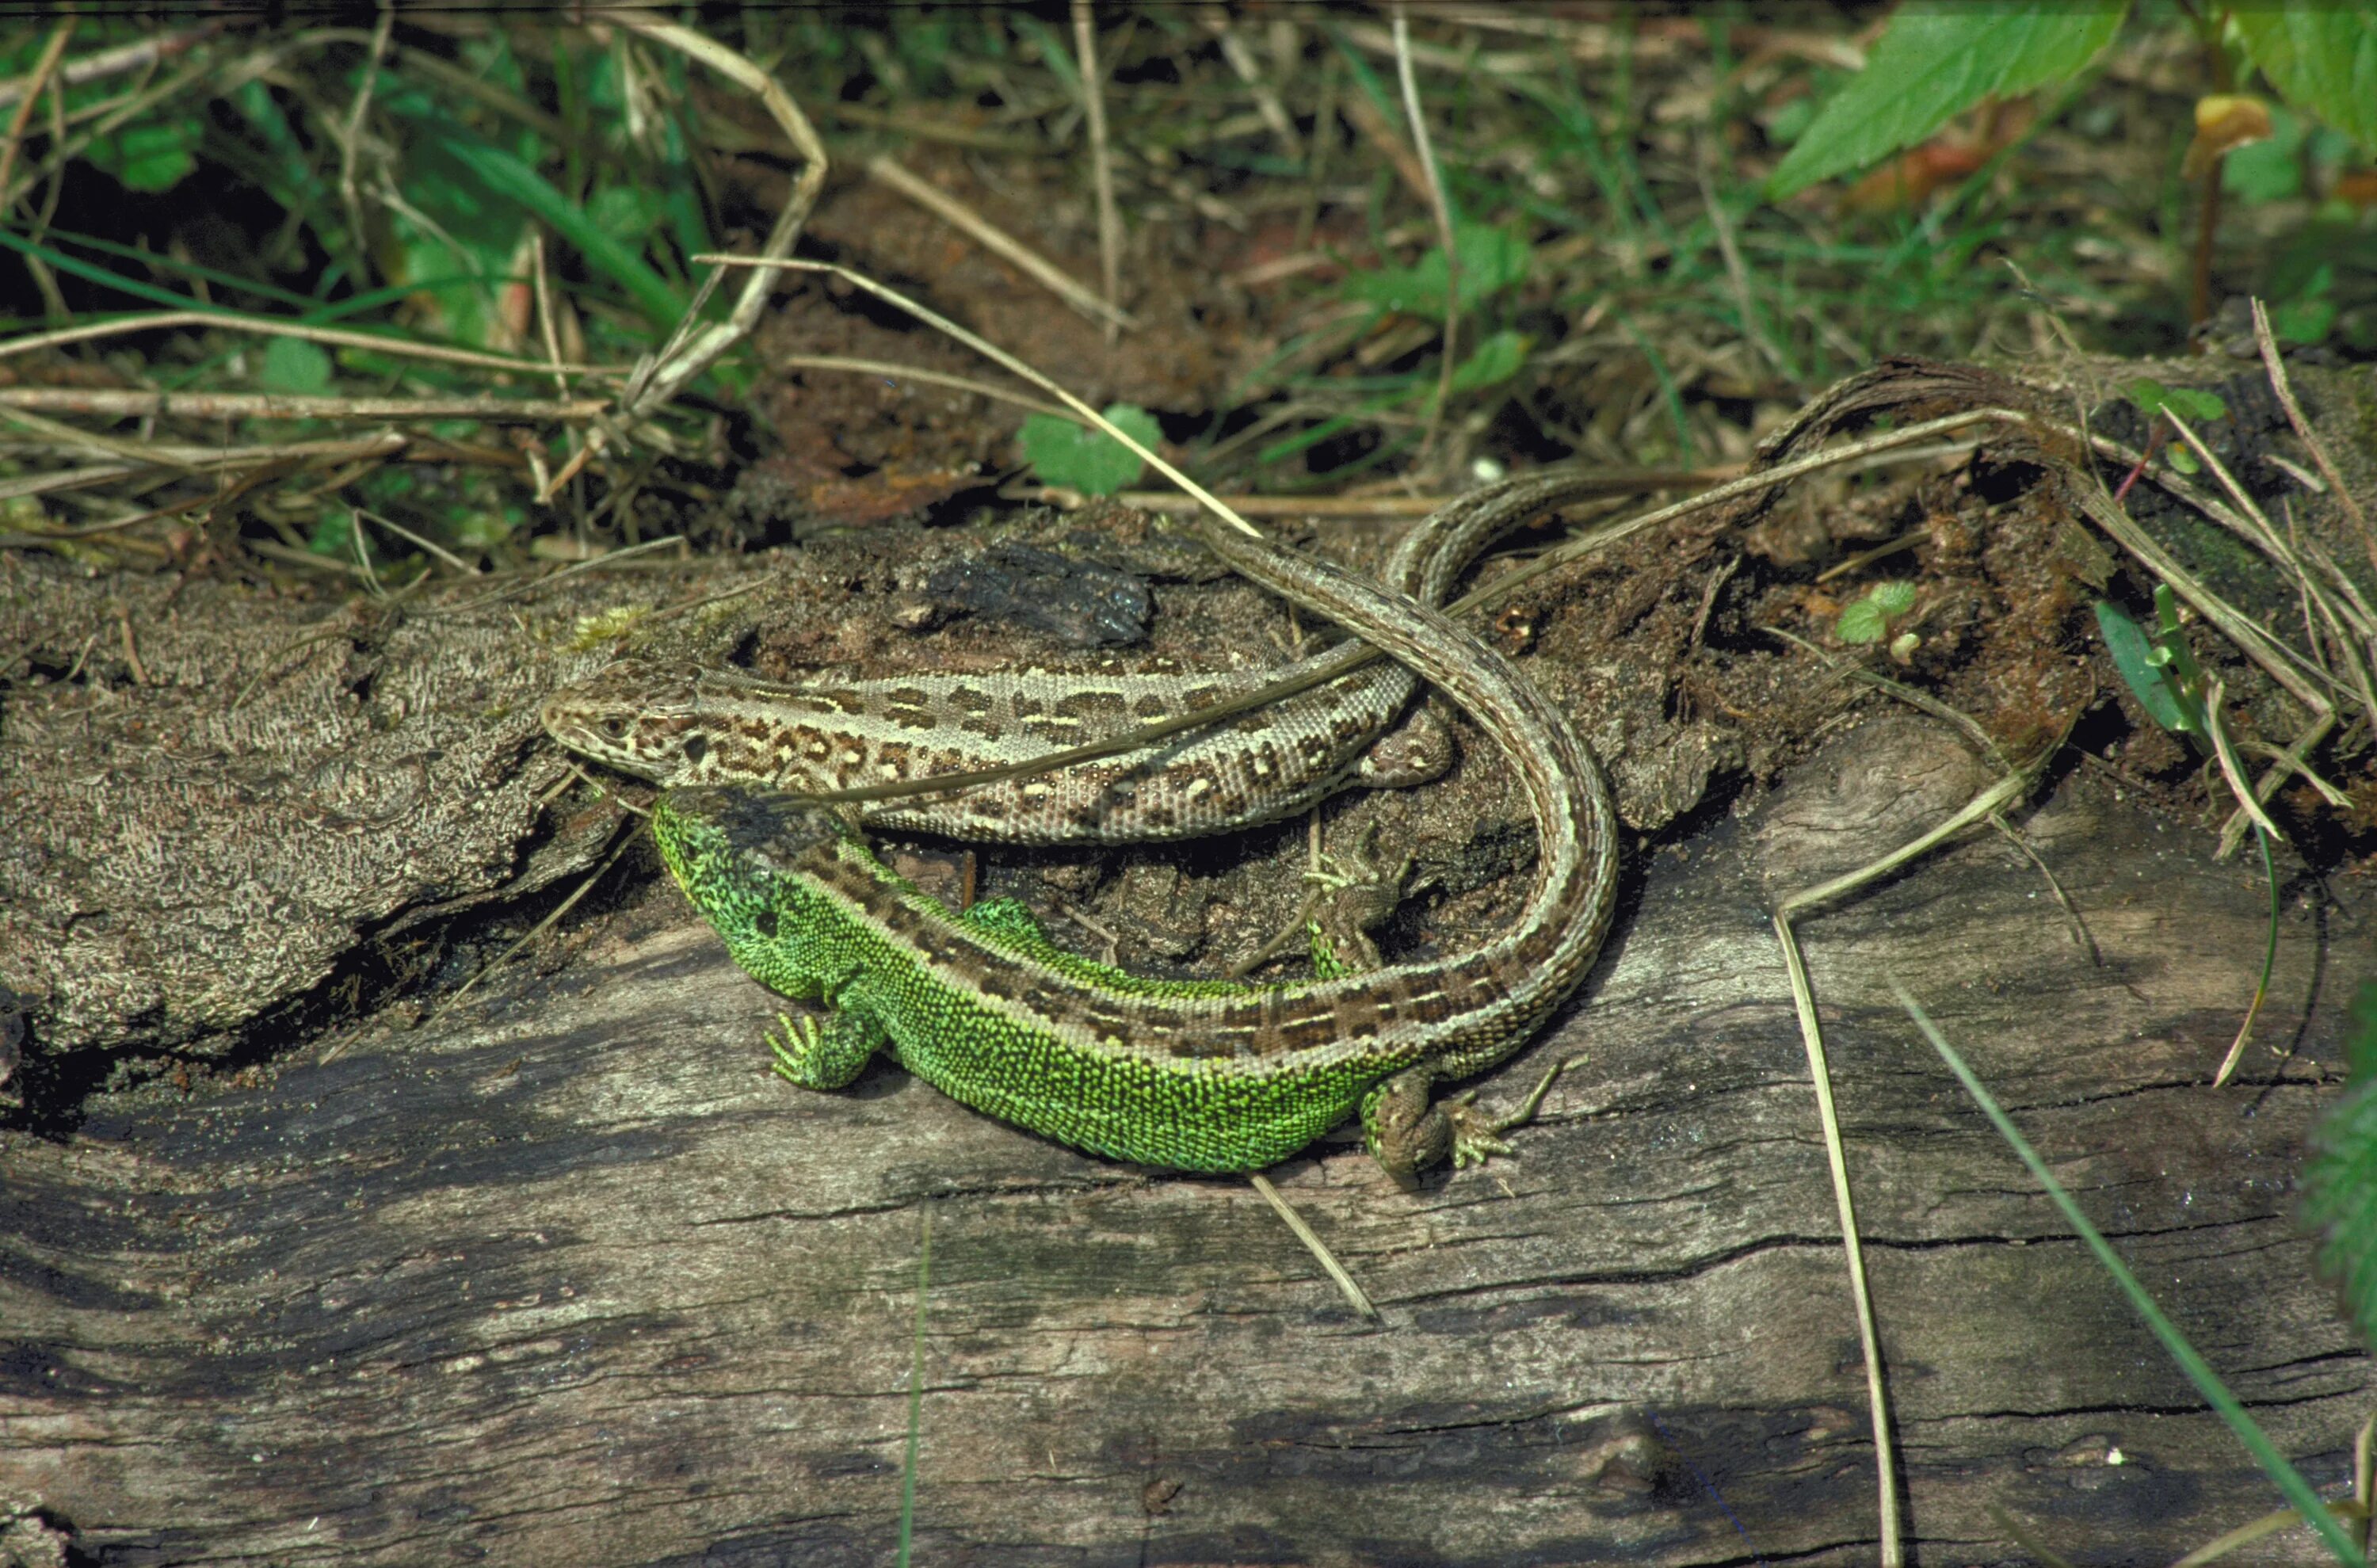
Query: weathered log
{"type": "Point", "coordinates": [566, 1276]}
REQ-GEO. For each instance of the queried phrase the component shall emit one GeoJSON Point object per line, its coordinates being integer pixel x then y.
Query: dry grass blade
{"type": "Point", "coordinates": [1094, 104]}
{"type": "Point", "coordinates": [2285, 391]}
{"type": "Point", "coordinates": [39, 79]}
{"type": "Point", "coordinates": [115, 404]}
{"type": "Point", "coordinates": [1442, 212]}
{"type": "Point", "coordinates": [890, 370]}
{"type": "Point", "coordinates": [1811, 1036]}
{"type": "Point", "coordinates": [658, 382]}
{"type": "Point", "coordinates": [265, 325]}
{"type": "Point", "coordinates": [1353, 1291]}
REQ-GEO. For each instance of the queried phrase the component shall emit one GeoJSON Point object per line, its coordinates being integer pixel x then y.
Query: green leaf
{"type": "Point", "coordinates": [1497, 359]}
{"type": "Point", "coordinates": [333, 532]}
{"type": "Point", "coordinates": [2321, 57]}
{"type": "Point", "coordinates": [2191, 403]}
{"type": "Point", "coordinates": [2182, 458]}
{"type": "Point", "coordinates": [2268, 171]}
{"type": "Point", "coordinates": [1893, 598]}
{"type": "Point", "coordinates": [148, 155]}
{"type": "Point", "coordinates": [1861, 623]}
{"type": "Point", "coordinates": [2339, 1182]}
{"type": "Point", "coordinates": [293, 364]}
{"type": "Point", "coordinates": [1935, 62]}
{"type": "Point", "coordinates": [1088, 460]}
{"type": "Point", "coordinates": [2304, 320]}
{"type": "Point", "coordinates": [1491, 260]}
{"type": "Point", "coordinates": [2136, 657]}
{"type": "Point", "coordinates": [627, 213]}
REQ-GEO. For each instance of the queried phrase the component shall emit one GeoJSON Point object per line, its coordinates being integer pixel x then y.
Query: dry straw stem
{"type": "Point", "coordinates": [692, 349]}
{"type": "Point", "coordinates": [1442, 213]}
{"type": "Point", "coordinates": [1982, 806]}
{"type": "Point", "coordinates": [126, 405]}
{"type": "Point", "coordinates": [998, 241]}
{"type": "Point", "coordinates": [886, 369]}
{"type": "Point", "coordinates": [265, 325]}
{"type": "Point", "coordinates": [1353, 1291]}
{"type": "Point", "coordinates": [1094, 104]}
{"type": "Point", "coordinates": [112, 62]}
{"type": "Point", "coordinates": [39, 78]}
{"type": "Point", "coordinates": [2285, 391]}
{"type": "Point", "coordinates": [2251, 523]}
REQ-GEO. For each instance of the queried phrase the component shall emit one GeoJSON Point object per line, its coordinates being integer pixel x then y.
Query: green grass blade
{"type": "Point", "coordinates": [660, 304]}
{"type": "Point", "coordinates": [2288, 1479]}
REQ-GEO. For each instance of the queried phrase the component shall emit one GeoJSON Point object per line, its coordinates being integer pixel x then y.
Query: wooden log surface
{"type": "Point", "coordinates": [564, 1276]}
{"type": "Point", "coordinates": [558, 1273]}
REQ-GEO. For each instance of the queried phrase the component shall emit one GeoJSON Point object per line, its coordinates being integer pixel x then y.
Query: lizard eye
{"type": "Point", "coordinates": [616, 728]}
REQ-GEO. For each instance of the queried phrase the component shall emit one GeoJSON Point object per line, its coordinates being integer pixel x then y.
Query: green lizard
{"type": "Point", "coordinates": [1199, 1075]}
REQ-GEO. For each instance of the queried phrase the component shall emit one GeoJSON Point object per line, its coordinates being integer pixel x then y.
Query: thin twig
{"type": "Point", "coordinates": [113, 62]}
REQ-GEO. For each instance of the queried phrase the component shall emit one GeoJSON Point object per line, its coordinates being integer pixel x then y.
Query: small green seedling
{"type": "Point", "coordinates": [1867, 620]}
{"type": "Point", "coordinates": [1091, 462]}
{"type": "Point", "coordinates": [2160, 668]}
{"type": "Point", "coordinates": [2151, 397]}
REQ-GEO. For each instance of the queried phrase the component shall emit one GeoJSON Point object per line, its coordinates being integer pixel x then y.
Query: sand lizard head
{"type": "Point", "coordinates": [636, 715]}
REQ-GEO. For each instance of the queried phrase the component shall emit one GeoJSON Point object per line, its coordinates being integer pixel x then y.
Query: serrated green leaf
{"type": "Point", "coordinates": [1861, 623]}
{"type": "Point", "coordinates": [1088, 460]}
{"type": "Point", "coordinates": [1893, 598]}
{"type": "Point", "coordinates": [293, 364]}
{"type": "Point", "coordinates": [1935, 62]}
{"type": "Point", "coordinates": [2339, 1181]}
{"type": "Point", "coordinates": [1497, 359]}
{"type": "Point", "coordinates": [2321, 57]}
{"type": "Point", "coordinates": [2194, 404]}
{"type": "Point", "coordinates": [2135, 656]}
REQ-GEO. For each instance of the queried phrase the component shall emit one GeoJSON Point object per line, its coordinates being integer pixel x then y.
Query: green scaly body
{"type": "Point", "coordinates": [807, 911]}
